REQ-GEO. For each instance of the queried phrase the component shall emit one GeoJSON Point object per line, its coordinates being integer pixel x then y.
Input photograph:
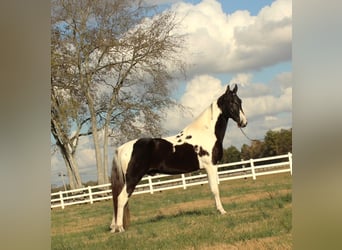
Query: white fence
{"type": "Point", "coordinates": [150, 184]}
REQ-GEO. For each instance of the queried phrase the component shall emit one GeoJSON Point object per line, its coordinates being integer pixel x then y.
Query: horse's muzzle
{"type": "Point", "coordinates": [242, 124]}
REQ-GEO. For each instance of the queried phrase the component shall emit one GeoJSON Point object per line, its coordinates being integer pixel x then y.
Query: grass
{"type": "Point", "coordinates": [258, 217]}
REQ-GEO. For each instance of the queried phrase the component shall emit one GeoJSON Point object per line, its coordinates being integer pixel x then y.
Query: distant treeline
{"type": "Point", "coordinates": [274, 143]}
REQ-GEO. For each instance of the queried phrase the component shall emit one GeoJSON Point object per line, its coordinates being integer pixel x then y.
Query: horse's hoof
{"type": "Point", "coordinates": [222, 211]}
{"type": "Point", "coordinates": [117, 229]}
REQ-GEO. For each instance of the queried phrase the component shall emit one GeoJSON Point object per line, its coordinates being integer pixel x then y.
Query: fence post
{"type": "Point", "coordinates": [290, 161]}
{"type": "Point", "coordinates": [90, 195]}
{"type": "Point", "coordinates": [253, 170]}
{"type": "Point", "coordinates": [183, 181]}
{"type": "Point", "coordinates": [150, 183]}
{"type": "Point", "coordinates": [61, 197]}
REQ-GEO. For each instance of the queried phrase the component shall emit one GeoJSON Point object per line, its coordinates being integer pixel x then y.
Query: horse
{"type": "Point", "coordinates": [197, 146]}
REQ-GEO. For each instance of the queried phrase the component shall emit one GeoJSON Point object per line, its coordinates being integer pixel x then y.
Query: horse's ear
{"type": "Point", "coordinates": [235, 89]}
{"type": "Point", "coordinates": [228, 89]}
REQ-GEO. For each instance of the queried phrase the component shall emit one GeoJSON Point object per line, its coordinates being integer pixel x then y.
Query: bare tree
{"type": "Point", "coordinates": [67, 112]}
{"type": "Point", "coordinates": [61, 131]}
{"type": "Point", "coordinates": [119, 57]}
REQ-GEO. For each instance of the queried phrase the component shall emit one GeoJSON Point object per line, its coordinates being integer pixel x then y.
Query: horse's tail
{"type": "Point", "coordinates": [118, 182]}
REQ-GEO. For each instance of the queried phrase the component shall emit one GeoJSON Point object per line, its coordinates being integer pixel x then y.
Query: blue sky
{"type": "Point", "coordinates": [237, 41]}
{"type": "Point", "coordinates": [228, 6]}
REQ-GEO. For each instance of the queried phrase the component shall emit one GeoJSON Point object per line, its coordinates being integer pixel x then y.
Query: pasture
{"type": "Point", "coordinates": [258, 217]}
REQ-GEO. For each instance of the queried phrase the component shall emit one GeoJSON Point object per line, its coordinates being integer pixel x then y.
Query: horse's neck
{"type": "Point", "coordinates": [208, 119]}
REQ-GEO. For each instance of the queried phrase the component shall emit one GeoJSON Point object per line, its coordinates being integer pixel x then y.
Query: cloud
{"type": "Point", "coordinates": [269, 104]}
{"type": "Point", "coordinates": [284, 80]}
{"type": "Point", "coordinates": [248, 88]}
{"type": "Point", "coordinates": [220, 42]}
{"type": "Point", "coordinates": [199, 94]}
{"type": "Point", "coordinates": [270, 118]}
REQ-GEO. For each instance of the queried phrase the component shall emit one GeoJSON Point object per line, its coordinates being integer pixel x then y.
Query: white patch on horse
{"type": "Point", "coordinates": [243, 118]}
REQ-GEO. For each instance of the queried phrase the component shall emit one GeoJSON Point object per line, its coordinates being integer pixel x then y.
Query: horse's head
{"type": "Point", "coordinates": [231, 106]}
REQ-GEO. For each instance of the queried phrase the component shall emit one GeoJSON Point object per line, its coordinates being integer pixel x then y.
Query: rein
{"type": "Point", "coordinates": [243, 132]}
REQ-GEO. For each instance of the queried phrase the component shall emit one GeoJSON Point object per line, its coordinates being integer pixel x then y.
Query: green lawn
{"type": "Point", "coordinates": [258, 217]}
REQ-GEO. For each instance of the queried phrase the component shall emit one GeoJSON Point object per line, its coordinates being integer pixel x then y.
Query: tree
{"type": "Point", "coordinates": [68, 114]}
{"type": "Point", "coordinates": [231, 154]}
{"type": "Point", "coordinates": [285, 141]}
{"type": "Point", "coordinates": [245, 152]}
{"type": "Point", "coordinates": [119, 59]}
{"type": "Point", "coordinates": [255, 150]}
{"type": "Point", "coordinates": [275, 143]}
{"type": "Point", "coordinates": [278, 142]}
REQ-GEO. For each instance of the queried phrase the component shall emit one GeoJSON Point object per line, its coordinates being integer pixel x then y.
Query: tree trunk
{"type": "Point", "coordinates": [105, 154]}
{"type": "Point", "coordinates": [96, 140]}
{"type": "Point", "coordinates": [72, 169]}
{"type": "Point", "coordinates": [106, 134]}
{"type": "Point", "coordinates": [68, 153]}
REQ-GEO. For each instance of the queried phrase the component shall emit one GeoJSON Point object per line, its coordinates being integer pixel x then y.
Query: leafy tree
{"type": "Point", "coordinates": [285, 141]}
{"type": "Point", "coordinates": [245, 154]}
{"type": "Point", "coordinates": [278, 142]}
{"type": "Point", "coordinates": [231, 154]}
{"type": "Point", "coordinates": [255, 150]}
{"type": "Point", "coordinates": [116, 58]}
{"type": "Point", "coordinates": [275, 143]}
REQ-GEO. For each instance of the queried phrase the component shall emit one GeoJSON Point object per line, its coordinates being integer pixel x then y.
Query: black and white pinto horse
{"type": "Point", "coordinates": [198, 146]}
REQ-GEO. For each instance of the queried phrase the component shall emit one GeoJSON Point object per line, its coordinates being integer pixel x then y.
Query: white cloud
{"type": "Point", "coordinates": [269, 104]}
{"type": "Point", "coordinates": [220, 42]}
{"type": "Point", "coordinates": [270, 118]}
{"type": "Point", "coordinates": [242, 79]}
{"type": "Point", "coordinates": [248, 88]}
{"type": "Point", "coordinates": [200, 92]}
{"type": "Point", "coordinates": [284, 80]}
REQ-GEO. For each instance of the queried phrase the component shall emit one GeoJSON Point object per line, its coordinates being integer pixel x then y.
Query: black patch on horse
{"type": "Point", "coordinates": [188, 137]}
{"type": "Point", "coordinates": [156, 155]}
{"type": "Point", "coordinates": [202, 152]}
{"type": "Point", "coordinates": [220, 128]}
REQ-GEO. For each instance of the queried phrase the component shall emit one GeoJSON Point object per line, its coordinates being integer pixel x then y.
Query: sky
{"type": "Point", "coordinates": [229, 41]}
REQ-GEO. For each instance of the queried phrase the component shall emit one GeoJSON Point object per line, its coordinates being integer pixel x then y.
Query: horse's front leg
{"type": "Point", "coordinates": [213, 183]}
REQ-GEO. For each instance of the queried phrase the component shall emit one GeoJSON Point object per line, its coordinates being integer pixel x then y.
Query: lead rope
{"type": "Point", "coordinates": [243, 132]}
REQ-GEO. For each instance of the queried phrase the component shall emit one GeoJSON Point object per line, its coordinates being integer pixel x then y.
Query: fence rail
{"type": "Point", "coordinates": [150, 184]}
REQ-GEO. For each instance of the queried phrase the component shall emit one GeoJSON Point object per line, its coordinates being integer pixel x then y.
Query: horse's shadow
{"type": "Point", "coordinates": [179, 214]}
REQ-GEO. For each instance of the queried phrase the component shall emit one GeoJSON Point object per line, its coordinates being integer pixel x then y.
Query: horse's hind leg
{"type": "Point", "coordinates": [212, 177]}
{"type": "Point", "coordinates": [113, 224]}
{"type": "Point", "coordinates": [122, 202]}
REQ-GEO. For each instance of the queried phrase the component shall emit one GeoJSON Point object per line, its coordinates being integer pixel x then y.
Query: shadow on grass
{"type": "Point", "coordinates": [181, 213]}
